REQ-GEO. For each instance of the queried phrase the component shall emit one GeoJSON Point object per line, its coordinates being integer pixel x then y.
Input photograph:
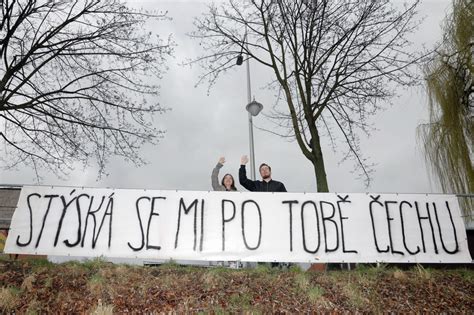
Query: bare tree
{"type": "Point", "coordinates": [334, 63]}
{"type": "Point", "coordinates": [77, 82]}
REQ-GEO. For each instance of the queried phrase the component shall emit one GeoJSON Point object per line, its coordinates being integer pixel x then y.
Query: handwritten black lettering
{"type": "Point", "coordinates": [50, 197]}
{"type": "Point", "coordinates": [259, 226]}
{"type": "Point", "coordinates": [343, 200]}
{"type": "Point", "coordinates": [182, 206]}
{"type": "Point", "coordinates": [152, 214]}
{"type": "Point", "coordinates": [303, 229]}
{"type": "Point", "coordinates": [427, 217]}
{"type": "Point", "coordinates": [79, 226]}
{"type": "Point", "coordinates": [456, 248]}
{"type": "Point", "coordinates": [329, 218]}
{"type": "Point", "coordinates": [290, 204]}
{"type": "Point", "coordinates": [92, 213]}
{"type": "Point", "coordinates": [137, 207]}
{"type": "Point", "coordinates": [389, 220]}
{"type": "Point", "coordinates": [375, 201]}
{"type": "Point", "coordinates": [108, 213]}
{"type": "Point", "coordinates": [225, 220]}
{"type": "Point", "coordinates": [202, 226]}
{"type": "Point", "coordinates": [65, 206]}
{"type": "Point", "coordinates": [403, 228]}
{"type": "Point", "coordinates": [23, 244]}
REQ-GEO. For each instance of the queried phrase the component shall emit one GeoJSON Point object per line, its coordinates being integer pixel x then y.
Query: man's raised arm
{"type": "Point", "coordinates": [244, 181]}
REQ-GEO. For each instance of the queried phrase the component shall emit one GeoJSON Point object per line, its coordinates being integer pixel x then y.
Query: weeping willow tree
{"type": "Point", "coordinates": [449, 137]}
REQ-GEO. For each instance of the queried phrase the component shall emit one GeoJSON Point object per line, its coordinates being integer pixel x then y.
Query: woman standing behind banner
{"type": "Point", "coordinates": [227, 183]}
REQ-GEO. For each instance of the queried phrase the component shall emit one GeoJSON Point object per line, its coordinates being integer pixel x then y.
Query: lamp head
{"type": "Point", "coordinates": [254, 108]}
{"type": "Point", "coordinates": [240, 60]}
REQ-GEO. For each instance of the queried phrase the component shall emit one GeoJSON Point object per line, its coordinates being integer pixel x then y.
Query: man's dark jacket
{"type": "Point", "coordinates": [257, 185]}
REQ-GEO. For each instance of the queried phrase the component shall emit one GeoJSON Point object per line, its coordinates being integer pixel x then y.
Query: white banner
{"type": "Point", "coordinates": [243, 226]}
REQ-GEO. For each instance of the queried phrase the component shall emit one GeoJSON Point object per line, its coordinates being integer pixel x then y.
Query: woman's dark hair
{"type": "Point", "coordinates": [232, 187]}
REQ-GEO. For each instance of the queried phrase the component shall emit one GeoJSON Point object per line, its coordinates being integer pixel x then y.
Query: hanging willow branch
{"type": "Point", "coordinates": [448, 138]}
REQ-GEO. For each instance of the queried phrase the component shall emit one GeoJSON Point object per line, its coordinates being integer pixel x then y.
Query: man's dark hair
{"type": "Point", "coordinates": [264, 164]}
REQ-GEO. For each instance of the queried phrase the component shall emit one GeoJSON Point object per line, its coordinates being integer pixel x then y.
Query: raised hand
{"type": "Point", "coordinates": [222, 160]}
{"type": "Point", "coordinates": [244, 160]}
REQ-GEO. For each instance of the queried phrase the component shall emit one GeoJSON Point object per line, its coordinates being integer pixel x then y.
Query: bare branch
{"type": "Point", "coordinates": [75, 82]}
{"type": "Point", "coordinates": [334, 62]}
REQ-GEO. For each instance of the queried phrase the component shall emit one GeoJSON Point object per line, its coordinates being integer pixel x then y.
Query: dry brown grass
{"type": "Point", "coordinates": [315, 294]}
{"type": "Point", "coordinates": [9, 299]}
{"type": "Point", "coordinates": [302, 281]}
{"type": "Point", "coordinates": [102, 309]}
{"type": "Point", "coordinates": [101, 288]}
{"type": "Point", "coordinates": [96, 285]}
{"type": "Point", "coordinates": [399, 275]}
{"type": "Point", "coordinates": [34, 307]}
{"type": "Point", "coordinates": [28, 282]}
{"type": "Point", "coordinates": [422, 273]}
{"type": "Point", "coordinates": [354, 295]}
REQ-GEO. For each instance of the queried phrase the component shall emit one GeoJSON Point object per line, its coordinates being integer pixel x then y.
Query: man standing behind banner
{"type": "Point", "coordinates": [267, 184]}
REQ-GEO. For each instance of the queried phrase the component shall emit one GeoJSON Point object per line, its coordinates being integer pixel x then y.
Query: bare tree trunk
{"type": "Point", "coordinates": [318, 164]}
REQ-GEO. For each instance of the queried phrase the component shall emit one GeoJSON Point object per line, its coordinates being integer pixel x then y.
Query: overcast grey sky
{"type": "Point", "coordinates": [202, 127]}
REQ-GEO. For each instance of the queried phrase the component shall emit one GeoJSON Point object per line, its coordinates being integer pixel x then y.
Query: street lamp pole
{"type": "Point", "coordinates": [251, 142]}
{"type": "Point", "coordinates": [253, 108]}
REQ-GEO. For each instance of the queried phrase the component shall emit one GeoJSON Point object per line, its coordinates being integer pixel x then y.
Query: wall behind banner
{"type": "Point", "coordinates": [3, 239]}
{"type": "Point", "coordinates": [8, 202]}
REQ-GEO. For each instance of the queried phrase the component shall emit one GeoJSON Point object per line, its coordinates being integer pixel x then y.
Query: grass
{"type": "Point", "coordinates": [98, 287]}
{"type": "Point", "coordinates": [295, 268]}
{"type": "Point", "coordinates": [211, 280]}
{"type": "Point", "coordinates": [28, 282]}
{"type": "Point", "coordinates": [354, 295]}
{"type": "Point", "coordinates": [4, 257]}
{"type": "Point", "coordinates": [102, 309]}
{"type": "Point", "coordinates": [76, 269]}
{"type": "Point", "coordinates": [48, 282]}
{"type": "Point", "coordinates": [96, 284]}
{"type": "Point", "coordinates": [9, 298]}
{"type": "Point", "coordinates": [302, 281]}
{"type": "Point", "coordinates": [371, 271]}
{"type": "Point", "coordinates": [34, 307]}
{"type": "Point", "coordinates": [171, 265]}
{"type": "Point", "coordinates": [305, 287]}
{"type": "Point", "coordinates": [217, 310]}
{"type": "Point", "coordinates": [315, 294]}
{"type": "Point", "coordinates": [166, 282]}
{"type": "Point", "coordinates": [264, 268]}
{"type": "Point", "coordinates": [36, 264]}
{"type": "Point", "coordinates": [464, 273]}
{"type": "Point", "coordinates": [423, 273]}
{"type": "Point", "coordinates": [399, 274]}
{"type": "Point", "coordinates": [95, 263]}
{"type": "Point", "coordinates": [240, 301]}
{"type": "Point", "coordinates": [263, 272]}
